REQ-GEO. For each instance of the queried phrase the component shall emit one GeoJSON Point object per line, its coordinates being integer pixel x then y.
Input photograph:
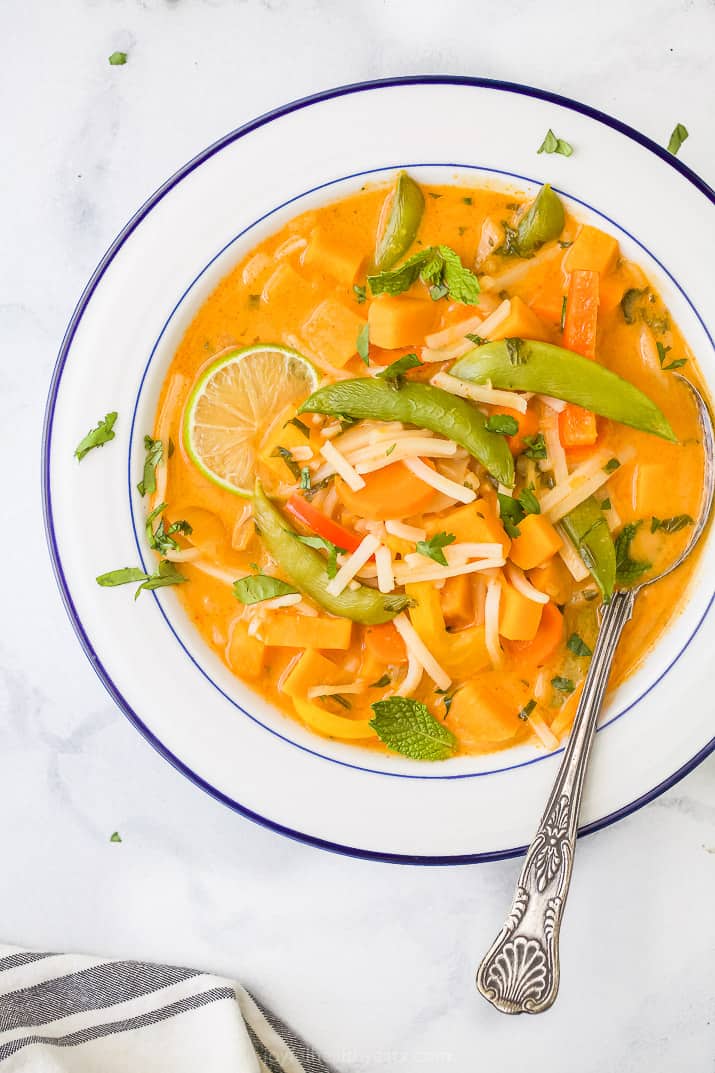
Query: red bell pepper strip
{"type": "Point", "coordinates": [320, 524]}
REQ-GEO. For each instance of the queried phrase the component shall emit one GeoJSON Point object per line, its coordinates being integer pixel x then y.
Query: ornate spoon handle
{"type": "Point", "coordinates": [520, 973]}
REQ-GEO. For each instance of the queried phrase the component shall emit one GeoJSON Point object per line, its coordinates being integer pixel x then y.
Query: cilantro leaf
{"type": "Point", "coordinates": [526, 710]}
{"type": "Point", "coordinates": [305, 479]}
{"type": "Point", "coordinates": [123, 576]}
{"type": "Point", "coordinates": [118, 59]}
{"type": "Point", "coordinates": [578, 646]}
{"type": "Point", "coordinates": [612, 465]}
{"type": "Point", "coordinates": [115, 837]}
{"type": "Point", "coordinates": [528, 501]}
{"type": "Point", "coordinates": [437, 266]}
{"type": "Point", "coordinates": [478, 340]}
{"type": "Point", "coordinates": [96, 437]}
{"type": "Point", "coordinates": [254, 588]}
{"type": "Point", "coordinates": [671, 525]}
{"type": "Point", "coordinates": [408, 727]}
{"type": "Point", "coordinates": [299, 425]}
{"type": "Point", "coordinates": [432, 548]}
{"type": "Point", "coordinates": [397, 369]}
{"type": "Point", "coordinates": [167, 574]}
{"type": "Point", "coordinates": [511, 513]}
{"type": "Point", "coordinates": [502, 423]}
{"type": "Point", "coordinates": [552, 144]}
{"type": "Point", "coordinates": [564, 685]}
{"type": "Point", "coordinates": [318, 486]}
{"type": "Point", "coordinates": [363, 344]}
{"type": "Point", "coordinates": [285, 454]}
{"type": "Point", "coordinates": [383, 681]}
{"type": "Point", "coordinates": [154, 455]}
{"type": "Point", "coordinates": [627, 568]}
{"type": "Point", "coordinates": [663, 352]}
{"type": "Point", "coordinates": [320, 543]}
{"type": "Point", "coordinates": [535, 446]}
{"type": "Point", "coordinates": [161, 539]}
{"type": "Point", "coordinates": [678, 136]}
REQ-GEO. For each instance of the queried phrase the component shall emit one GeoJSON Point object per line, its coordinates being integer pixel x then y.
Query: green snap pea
{"type": "Point", "coordinates": [400, 228]}
{"type": "Point", "coordinates": [421, 405]}
{"type": "Point", "coordinates": [588, 531]}
{"type": "Point", "coordinates": [306, 569]}
{"type": "Point", "coordinates": [543, 221]}
{"type": "Point", "coordinates": [527, 365]}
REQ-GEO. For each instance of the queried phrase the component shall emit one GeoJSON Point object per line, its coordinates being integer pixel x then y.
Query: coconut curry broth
{"type": "Point", "coordinates": [270, 296]}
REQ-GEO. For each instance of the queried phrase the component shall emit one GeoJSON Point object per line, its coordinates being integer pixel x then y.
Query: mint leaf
{"type": "Point", "coordinates": [552, 144]}
{"type": "Point", "coordinates": [505, 424]}
{"type": "Point", "coordinates": [680, 133]}
{"type": "Point", "coordinates": [298, 424]}
{"type": "Point", "coordinates": [437, 266]}
{"type": "Point", "coordinates": [285, 454]}
{"type": "Point", "coordinates": [96, 437]}
{"type": "Point", "coordinates": [254, 588]}
{"type": "Point", "coordinates": [321, 544]}
{"type": "Point", "coordinates": [578, 646]}
{"type": "Point", "coordinates": [397, 369]}
{"type": "Point", "coordinates": [407, 726]}
{"type": "Point", "coordinates": [671, 525]}
{"type": "Point", "coordinates": [123, 576]}
{"type": "Point", "coordinates": [154, 454]}
{"type": "Point", "coordinates": [167, 574]}
{"type": "Point", "coordinates": [627, 568]}
{"type": "Point", "coordinates": [432, 548]}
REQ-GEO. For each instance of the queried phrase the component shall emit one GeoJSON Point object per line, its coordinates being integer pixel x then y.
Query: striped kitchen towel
{"type": "Point", "coordinates": [68, 1013]}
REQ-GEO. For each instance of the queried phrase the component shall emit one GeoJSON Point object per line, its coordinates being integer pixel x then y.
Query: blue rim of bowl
{"type": "Point", "coordinates": [87, 294]}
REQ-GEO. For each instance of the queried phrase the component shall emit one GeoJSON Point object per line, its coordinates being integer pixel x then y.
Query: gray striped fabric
{"type": "Point", "coordinates": [75, 1013]}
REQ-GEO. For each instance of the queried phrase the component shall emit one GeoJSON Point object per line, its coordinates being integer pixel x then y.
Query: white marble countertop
{"type": "Point", "coordinates": [373, 963]}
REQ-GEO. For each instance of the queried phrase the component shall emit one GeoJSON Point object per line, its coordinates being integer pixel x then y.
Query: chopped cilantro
{"type": "Point", "coordinates": [505, 424]}
{"type": "Point", "coordinates": [671, 525]}
{"type": "Point", "coordinates": [535, 446]}
{"type": "Point", "coordinates": [432, 548]}
{"type": "Point", "coordinates": [154, 455]}
{"type": "Point", "coordinates": [118, 59]}
{"type": "Point", "coordinates": [363, 344]}
{"type": "Point", "coordinates": [627, 568]}
{"type": "Point", "coordinates": [96, 437]}
{"type": "Point", "coordinates": [578, 646]}
{"type": "Point", "coordinates": [564, 685]}
{"type": "Point", "coordinates": [678, 136]}
{"type": "Point", "coordinates": [284, 453]}
{"type": "Point", "coordinates": [612, 465]}
{"type": "Point", "coordinates": [666, 365]}
{"type": "Point", "coordinates": [360, 293]}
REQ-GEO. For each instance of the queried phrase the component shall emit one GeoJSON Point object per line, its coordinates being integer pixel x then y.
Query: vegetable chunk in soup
{"type": "Point", "coordinates": [408, 447]}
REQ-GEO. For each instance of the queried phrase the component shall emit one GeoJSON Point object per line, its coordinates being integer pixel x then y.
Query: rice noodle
{"type": "Point", "coordinates": [483, 393]}
{"type": "Point", "coordinates": [571, 558]}
{"type": "Point", "coordinates": [405, 575]}
{"type": "Point", "coordinates": [290, 599]}
{"type": "Point", "coordinates": [415, 645]}
{"type": "Point", "coordinates": [558, 405]}
{"type": "Point", "coordinates": [415, 448]}
{"type": "Point", "coordinates": [385, 573]}
{"type": "Point", "coordinates": [214, 571]}
{"type": "Point", "coordinates": [331, 690]}
{"type": "Point", "coordinates": [365, 549]}
{"type": "Point", "coordinates": [555, 454]}
{"type": "Point", "coordinates": [449, 488]}
{"type": "Point", "coordinates": [341, 466]}
{"type": "Point", "coordinates": [291, 245]}
{"type": "Point", "coordinates": [242, 528]}
{"type": "Point", "coordinates": [412, 678]}
{"type": "Point", "coordinates": [399, 529]}
{"type": "Point", "coordinates": [182, 555]}
{"type": "Point", "coordinates": [454, 334]}
{"type": "Point", "coordinates": [491, 622]}
{"type": "Point", "coordinates": [542, 730]}
{"type": "Point", "coordinates": [517, 578]}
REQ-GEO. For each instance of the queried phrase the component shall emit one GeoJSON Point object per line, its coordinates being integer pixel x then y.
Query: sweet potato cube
{"type": "Point", "coordinates": [287, 288]}
{"type": "Point", "coordinates": [245, 654]}
{"type": "Point", "coordinates": [474, 523]}
{"type": "Point", "coordinates": [398, 320]}
{"type": "Point", "coordinates": [522, 323]}
{"type": "Point", "coordinates": [648, 484]}
{"type": "Point", "coordinates": [332, 331]}
{"type": "Point", "coordinates": [592, 250]}
{"type": "Point", "coordinates": [537, 543]}
{"type": "Point", "coordinates": [311, 669]}
{"type": "Point", "coordinates": [288, 630]}
{"type": "Point", "coordinates": [552, 578]}
{"type": "Point", "coordinates": [325, 254]}
{"type": "Point", "coordinates": [456, 600]}
{"type": "Point", "coordinates": [519, 617]}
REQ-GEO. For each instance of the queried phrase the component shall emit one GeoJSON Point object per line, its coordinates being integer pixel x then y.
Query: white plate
{"type": "Point", "coordinates": [117, 347]}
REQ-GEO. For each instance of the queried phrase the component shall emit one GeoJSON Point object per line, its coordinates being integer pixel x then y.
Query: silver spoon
{"type": "Point", "coordinates": [520, 973]}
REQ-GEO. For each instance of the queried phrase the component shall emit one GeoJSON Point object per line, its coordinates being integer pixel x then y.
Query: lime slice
{"type": "Point", "coordinates": [231, 404]}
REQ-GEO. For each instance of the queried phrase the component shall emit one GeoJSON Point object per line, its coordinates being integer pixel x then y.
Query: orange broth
{"type": "Point", "coordinates": [269, 297]}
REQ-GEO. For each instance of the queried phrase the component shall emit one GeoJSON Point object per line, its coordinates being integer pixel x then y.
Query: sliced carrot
{"type": "Point", "coordinates": [546, 641]}
{"type": "Point", "coordinates": [577, 427]}
{"type": "Point", "coordinates": [391, 492]}
{"type": "Point", "coordinates": [385, 644]}
{"type": "Point", "coordinates": [582, 313]}
{"type": "Point", "coordinates": [593, 250]}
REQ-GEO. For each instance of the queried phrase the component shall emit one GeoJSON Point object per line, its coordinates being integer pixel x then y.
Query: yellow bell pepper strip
{"type": "Point", "coordinates": [306, 569]}
{"type": "Point", "coordinates": [543, 221]}
{"type": "Point", "coordinates": [406, 205]}
{"type": "Point", "coordinates": [461, 654]}
{"type": "Point", "coordinates": [333, 726]}
{"type": "Point", "coordinates": [421, 405]}
{"type": "Point", "coordinates": [529, 365]}
{"type": "Point", "coordinates": [588, 531]}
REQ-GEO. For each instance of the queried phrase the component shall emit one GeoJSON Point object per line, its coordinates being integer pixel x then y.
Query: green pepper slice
{"type": "Point", "coordinates": [543, 221]}
{"type": "Point", "coordinates": [588, 531]}
{"type": "Point", "coordinates": [306, 568]}
{"type": "Point", "coordinates": [406, 205]}
{"type": "Point", "coordinates": [421, 405]}
{"type": "Point", "coordinates": [527, 365]}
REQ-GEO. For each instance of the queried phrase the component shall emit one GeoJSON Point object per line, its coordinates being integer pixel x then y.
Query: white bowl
{"type": "Point", "coordinates": [127, 324]}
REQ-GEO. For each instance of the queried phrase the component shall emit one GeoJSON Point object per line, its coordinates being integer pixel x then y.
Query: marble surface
{"type": "Point", "coordinates": [372, 963]}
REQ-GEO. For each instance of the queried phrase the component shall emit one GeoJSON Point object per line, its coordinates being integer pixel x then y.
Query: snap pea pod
{"type": "Point", "coordinates": [399, 230]}
{"type": "Point", "coordinates": [421, 405]}
{"type": "Point", "coordinates": [306, 568]}
{"type": "Point", "coordinates": [588, 531]}
{"type": "Point", "coordinates": [527, 365]}
{"type": "Point", "coordinates": [543, 221]}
